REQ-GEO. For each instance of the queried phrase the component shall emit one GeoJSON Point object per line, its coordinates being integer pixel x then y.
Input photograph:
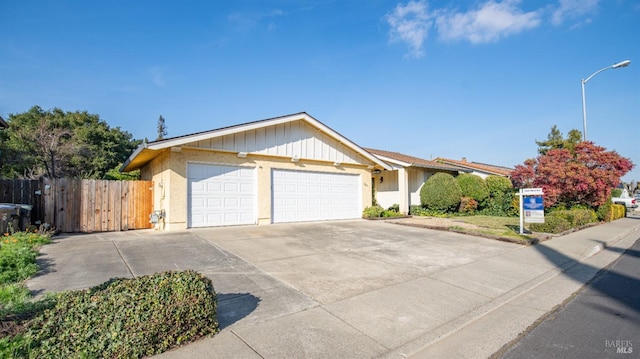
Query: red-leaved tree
{"type": "Point", "coordinates": [585, 175]}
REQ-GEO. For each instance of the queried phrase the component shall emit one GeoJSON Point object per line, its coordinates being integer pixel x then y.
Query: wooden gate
{"type": "Point", "coordinates": [84, 205]}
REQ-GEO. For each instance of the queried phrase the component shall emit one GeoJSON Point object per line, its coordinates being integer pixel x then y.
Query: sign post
{"type": "Point", "coordinates": [531, 206]}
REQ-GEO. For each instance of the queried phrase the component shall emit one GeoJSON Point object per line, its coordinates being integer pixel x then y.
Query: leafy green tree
{"type": "Point", "coordinates": [115, 174]}
{"type": "Point", "coordinates": [441, 192]}
{"type": "Point", "coordinates": [556, 140]}
{"type": "Point", "coordinates": [56, 144]}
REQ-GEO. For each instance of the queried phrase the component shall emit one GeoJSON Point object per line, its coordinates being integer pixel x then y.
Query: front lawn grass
{"type": "Point", "coordinates": [493, 226]}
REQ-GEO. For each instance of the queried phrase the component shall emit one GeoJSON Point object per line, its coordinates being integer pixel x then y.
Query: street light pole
{"type": "Point", "coordinates": [624, 63]}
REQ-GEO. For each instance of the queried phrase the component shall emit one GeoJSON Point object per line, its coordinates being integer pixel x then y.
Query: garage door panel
{"type": "Point", "coordinates": [220, 195]}
{"type": "Point", "coordinates": [308, 196]}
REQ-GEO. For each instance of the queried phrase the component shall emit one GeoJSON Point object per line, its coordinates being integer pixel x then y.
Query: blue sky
{"type": "Point", "coordinates": [477, 79]}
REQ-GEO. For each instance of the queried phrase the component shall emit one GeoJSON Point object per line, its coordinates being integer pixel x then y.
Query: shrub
{"type": "Point", "coordinates": [604, 211]}
{"type": "Point", "coordinates": [553, 223]}
{"type": "Point", "coordinates": [617, 211]}
{"type": "Point", "coordinates": [616, 192]}
{"type": "Point", "coordinates": [468, 205]}
{"type": "Point", "coordinates": [497, 185]}
{"type": "Point", "coordinates": [372, 212]}
{"type": "Point", "coordinates": [377, 211]}
{"type": "Point", "coordinates": [473, 186]}
{"type": "Point", "coordinates": [421, 211]}
{"type": "Point", "coordinates": [441, 192]}
{"type": "Point", "coordinates": [126, 318]}
{"type": "Point", "coordinates": [502, 204]}
{"type": "Point", "coordinates": [583, 216]}
{"type": "Point", "coordinates": [560, 220]}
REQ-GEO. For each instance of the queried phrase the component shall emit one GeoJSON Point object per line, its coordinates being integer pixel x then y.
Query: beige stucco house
{"type": "Point", "coordinates": [284, 169]}
{"type": "Point", "coordinates": [401, 185]}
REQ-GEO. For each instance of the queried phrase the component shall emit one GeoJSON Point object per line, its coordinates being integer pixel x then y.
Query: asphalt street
{"type": "Point", "coordinates": [601, 321]}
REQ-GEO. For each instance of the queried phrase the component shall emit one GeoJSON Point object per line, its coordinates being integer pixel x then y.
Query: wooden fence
{"type": "Point", "coordinates": [84, 205]}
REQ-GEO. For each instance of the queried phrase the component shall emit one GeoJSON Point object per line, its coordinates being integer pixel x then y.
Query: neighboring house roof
{"type": "Point", "coordinates": [148, 151]}
{"type": "Point", "coordinates": [476, 166]}
{"type": "Point", "coordinates": [3, 123]}
{"type": "Point", "coordinates": [410, 161]}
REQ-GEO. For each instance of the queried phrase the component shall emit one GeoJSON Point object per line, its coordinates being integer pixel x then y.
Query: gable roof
{"type": "Point", "coordinates": [476, 166]}
{"type": "Point", "coordinates": [3, 123]}
{"type": "Point", "coordinates": [148, 151]}
{"type": "Point", "coordinates": [410, 161]}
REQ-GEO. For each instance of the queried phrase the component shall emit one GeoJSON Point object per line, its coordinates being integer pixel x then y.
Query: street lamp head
{"type": "Point", "coordinates": [624, 63]}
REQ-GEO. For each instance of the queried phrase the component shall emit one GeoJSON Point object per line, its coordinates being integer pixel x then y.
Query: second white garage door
{"type": "Point", "coordinates": [314, 196]}
{"type": "Point", "coordinates": [221, 195]}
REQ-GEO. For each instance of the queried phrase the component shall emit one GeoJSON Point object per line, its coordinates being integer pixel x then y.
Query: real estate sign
{"type": "Point", "coordinates": [531, 206]}
{"type": "Point", "coordinates": [533, 209]}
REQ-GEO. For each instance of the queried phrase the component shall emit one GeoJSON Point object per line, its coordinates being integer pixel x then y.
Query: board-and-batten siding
{"type": "Point", "coordinates": [296, 138]}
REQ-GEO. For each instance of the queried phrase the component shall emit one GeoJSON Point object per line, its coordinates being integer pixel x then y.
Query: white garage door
{"type": "Point", "coordinates": [314, 196]}
{"type": "Point", "coordinates": [220, 195]}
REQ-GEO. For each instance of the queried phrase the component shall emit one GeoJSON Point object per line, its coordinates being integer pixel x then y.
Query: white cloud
{"type": "Point", "coordinates": [158, 75]}
{"type": "Point", "coordinates": [410, 23]}
{"type": "Point", "coordinates": [572, 9]}
{"type": "Point", "coordinates": [246, 22]}
{"type": "Point", "coordinates": [492, 21]}
{"type": "Point", "coordinates": [488, 22]}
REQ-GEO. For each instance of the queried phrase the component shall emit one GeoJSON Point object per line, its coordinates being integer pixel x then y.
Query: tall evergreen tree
{"type": "Point", "coordinates": [162, 128]}
{"type": "Point", "coordinates": [555, 140]}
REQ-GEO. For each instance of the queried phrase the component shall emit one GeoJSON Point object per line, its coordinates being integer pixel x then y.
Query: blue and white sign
{"type": "Point", "coordinates": [533, 207]}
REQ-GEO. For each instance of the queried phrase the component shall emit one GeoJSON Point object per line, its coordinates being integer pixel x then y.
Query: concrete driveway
{"type": "Point", "coordinates": [363, 286]}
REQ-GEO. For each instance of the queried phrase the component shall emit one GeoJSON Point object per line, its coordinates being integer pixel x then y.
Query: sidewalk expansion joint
{"type": "Point", "coordinates": [124, 260]}
{"type": "Point", "coordinates": [247, 344]}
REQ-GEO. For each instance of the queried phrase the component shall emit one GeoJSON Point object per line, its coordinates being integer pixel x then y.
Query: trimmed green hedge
{"type": "Point", "coordinates": [498, 185]}
{"type": "Point", "coordinates": [473, 186]}
{"type": "Point", "coordinates": [441, 192]}
{"type": "Point", "coordinates": [561, 220]}
{"type": "Point", "coordinates": [125, 318]}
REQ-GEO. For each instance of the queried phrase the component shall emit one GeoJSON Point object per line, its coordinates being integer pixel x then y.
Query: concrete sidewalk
{"type": "Point", "coordinates": [569, 262]}
{"type": "Point", "coordinates": [275, 301]}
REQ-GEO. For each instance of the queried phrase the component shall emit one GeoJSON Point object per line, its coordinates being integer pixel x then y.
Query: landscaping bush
{"type": "Point", "coordinates": [554, 222]}
{"type": "Point", "coordinates": [617, 211]}
{"type": "Point", "coordinates": [560, 220]}
{"type": "Point", "coordinates": [377, 212]}
{"type": "Point", "coordinates": [395, 208]}
{"type": "Point", "coordinates": [497, 185]}
{"type": "Point", "coordinates": [416, 210]}
{"type": "Point", "coordinates": [502, 204]}
{"type": "Point", "coordinates": [604, 211]}
{"type": "Point", "coordinates": [610, 212]}
{"type": "Point", "coordinates": [468, 205]}
{"type": "Point", "coordinates": [473, 186]}
{"type": "Point", "coordinates": [125, 318]}
{"type": "Point", "coordinates": [372, 212]}
{"type": "Point", "coordinates": [441, 192]}
{"type": "Point", "coordinates": [582, 216]}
